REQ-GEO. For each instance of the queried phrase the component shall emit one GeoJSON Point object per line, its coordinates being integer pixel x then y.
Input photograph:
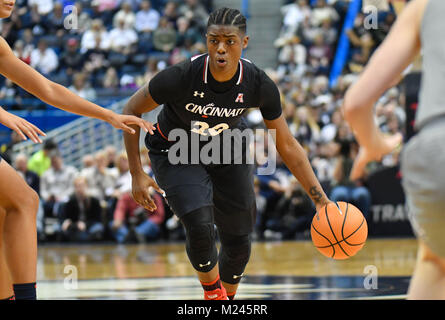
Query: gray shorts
{"type": "Point", "coordinates": [423, 170]}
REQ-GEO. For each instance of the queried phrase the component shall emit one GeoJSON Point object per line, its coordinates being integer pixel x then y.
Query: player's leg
{"type": "Point", "coordinates": [202, 252]}
{"type": "Point", "coordinates": [234, 255]}
{"type": "Point", "coordinates": [235, 213]}
{"type": "Point", "coordinates": [424, 184]}
{"type": "Point", "coordinates": [6, 291]}
{"type": "Point", "coordinates": [189, 193]}
{"type": "Point", "coordinates": [20, 232]}
{"type": "Point", "coordinates": [428, 281]}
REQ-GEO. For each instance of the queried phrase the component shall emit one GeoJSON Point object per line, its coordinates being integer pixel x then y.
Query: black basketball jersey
{"type": "Point", "coordinates": [194, 101]}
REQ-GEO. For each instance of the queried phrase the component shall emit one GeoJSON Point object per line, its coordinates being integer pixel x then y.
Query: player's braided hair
{"type": "Point", "coordinates": [227, 16]}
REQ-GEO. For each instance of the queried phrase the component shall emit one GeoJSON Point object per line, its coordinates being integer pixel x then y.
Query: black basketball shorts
{"type": "Point", "coordinates": [228, 188]}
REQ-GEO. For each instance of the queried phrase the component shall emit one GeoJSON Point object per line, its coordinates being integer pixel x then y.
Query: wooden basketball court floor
{"type": "Point", "coordinates": [284, 270]}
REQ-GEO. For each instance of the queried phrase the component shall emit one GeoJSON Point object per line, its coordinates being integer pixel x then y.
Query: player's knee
{"type": "Point", "coordinates": [31, 201]}
{"type": "Point", "coordinates": [200, 239]}
{"type": "Point", "coordinates": [234, 256]}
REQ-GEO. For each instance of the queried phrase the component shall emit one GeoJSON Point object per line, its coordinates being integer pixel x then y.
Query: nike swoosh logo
{"type": "Point", "coordinates": [204, 265]}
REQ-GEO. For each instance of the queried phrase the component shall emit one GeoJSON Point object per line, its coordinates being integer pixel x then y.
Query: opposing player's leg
{"type": "Point", "coordinates": [428, 281]}
{"type": "Point", "coordinates": [6, 291]}
{"type": "Point", "coordinates": [424, 184]}
{"type": "Point", "coordinates": [20, 203]}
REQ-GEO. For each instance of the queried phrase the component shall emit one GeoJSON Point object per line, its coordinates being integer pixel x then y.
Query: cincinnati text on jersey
{"type": "Point", "coordinates": [211, 110]}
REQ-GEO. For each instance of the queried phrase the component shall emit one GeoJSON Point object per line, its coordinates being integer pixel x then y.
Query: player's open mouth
{"type": "Point", "coordinates": [221, 62]}
{"type": "Point", "coordinates": [10, 6]}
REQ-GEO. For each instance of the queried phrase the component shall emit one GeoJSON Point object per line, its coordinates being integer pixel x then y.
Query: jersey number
{"type": "Point", "coordinates": [204, 129]}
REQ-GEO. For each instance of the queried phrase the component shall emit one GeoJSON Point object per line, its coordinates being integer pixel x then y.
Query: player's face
{"type": "Point", "coordinates": [6, 7]}
{"type": "Point", "coordinates": [225, 45]}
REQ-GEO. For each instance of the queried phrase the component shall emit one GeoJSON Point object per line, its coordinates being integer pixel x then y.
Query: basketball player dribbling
{"type": "Point", "coordinates": [206, 95]}
{"type": "Point", "coordinates": [18, 202]}
{"type": "Point", "coordinates": [419, 27]}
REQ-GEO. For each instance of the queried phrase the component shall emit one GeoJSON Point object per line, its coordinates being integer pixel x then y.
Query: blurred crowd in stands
{"type": "Point", "coordinates": [101, 47]}
{"type": "Point", "coordinates": [122, 44]}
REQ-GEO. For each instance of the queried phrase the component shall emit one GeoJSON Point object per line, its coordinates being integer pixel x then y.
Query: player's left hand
{"type": "Point", "coordinates": [383, 146]}
{"type": "Point", "coordinates": [122, 121]}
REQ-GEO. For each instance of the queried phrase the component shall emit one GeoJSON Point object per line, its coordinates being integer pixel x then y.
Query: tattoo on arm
{"type": "Point", "coordinates": [316, 195]}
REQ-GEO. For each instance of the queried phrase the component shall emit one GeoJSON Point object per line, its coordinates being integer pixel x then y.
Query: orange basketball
{"type": "Point", "coordinates": [339, 230]}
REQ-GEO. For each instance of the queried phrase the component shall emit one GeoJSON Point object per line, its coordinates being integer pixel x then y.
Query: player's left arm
{"type": "Point", "coordinates": [288, 147]}
{"type": "Point", "coordinates": [56, 95]}
{"type": "Point", "coordinates": [295, 157]}
{"type": "Point", "coordinates": [397, 51]}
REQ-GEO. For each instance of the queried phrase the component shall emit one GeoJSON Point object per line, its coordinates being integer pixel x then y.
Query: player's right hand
{"type": "Point", "coordinates": [21, 126]}
{"type": "Point", "coordinates": [384, 145]}
{"type": "Point", "coordinates": [141, 184]}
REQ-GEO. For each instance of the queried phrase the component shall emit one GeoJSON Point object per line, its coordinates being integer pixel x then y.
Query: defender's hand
{"type": "Point", "coordinates": [122, 121]}
{"type": "Point", "coordinates": [21, 126]}
{"type": "Point", "coordinates": [141, 184]}
{"type": "Point", "coordinates": [383, 146]}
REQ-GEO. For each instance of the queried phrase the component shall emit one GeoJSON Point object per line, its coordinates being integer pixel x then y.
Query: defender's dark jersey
{"type": "Point", "coordinates": [194, 101]}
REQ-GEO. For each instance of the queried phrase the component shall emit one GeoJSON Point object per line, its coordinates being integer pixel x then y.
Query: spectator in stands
{"type": "Point", "coordinates": [71, 59]}
{"type": "Point", "coordinates": [293, 15]}
{"type": "Point", "coordinates": [360, 38]}
{"type": "Point", "coordinates": [111, 80]}
{"type": "Point", "coordinates": [111, 156]}
{"type": "Point", "coordinates": [344, 189]}
{"type": "Point", "coordinates": [195, 12]}
{"type": "Point", "coordinates": [83, 19]}
{"type": "Point", "coordinates": [99, 178]}
{"type": "Point", "coordinates": [323, 11]}
{"type": "Point", "coordinates": [21, 52]}
{"type": "Point", "coordinates": [88, 161]}
{"type": "Point", "coordinates": [122, 183]}
{"type": "Point", "coordinates": [164, 37]}
{"type": "Point", "coordinates": [6, 150]}
{"type": "Point", "coordinates": [95, 37]}
{"type": "Point", "coordinates": [171, 12]}
{"type": "Point", "coordinates": [293, 212]}
{"type": "Point", "coordinates": [56, 185]}
{"type": "Point", "coordinates": [81, 88]}
{"type": "Point", "coordinates": [151, 69]}
{"type": "Point", "coordinates": [126, 14]}
{"type": "Point", "coordinates": [272, 188]}
{"type": "Point", "coordinates": [122, 38]}
{"type": "Point", "coordinates": [56, 19]}
{"type": "Point", "coordinates": [292, 55]}
{"type": "Point", "coordinates": [82, 219]}
{"type": "Point", "coordinates": [41, 160]}
{"type": "Point", "coordinates": [186, 33]}
{"type": "Point", "coordinates": [305, 128]}
{"type": "Point", "coordinates": [44, 59]}
{"type": "Point", "coordinates": [44, 7]}
{"type": "Point", "coordinates": [129, 215]}
{"type": "Point", "coordinates": [32, 178]}
{"type": "Point", "coordinates": [147, 18]}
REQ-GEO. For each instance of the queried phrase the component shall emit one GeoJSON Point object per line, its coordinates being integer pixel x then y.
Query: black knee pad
{"type": "Point", "coordinates": [233, 256]}
{"type": "Point", "coordinates": [200, 239]}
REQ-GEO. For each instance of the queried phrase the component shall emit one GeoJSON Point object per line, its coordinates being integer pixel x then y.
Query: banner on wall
{"type": "Point", "coordinates": [389, 214]}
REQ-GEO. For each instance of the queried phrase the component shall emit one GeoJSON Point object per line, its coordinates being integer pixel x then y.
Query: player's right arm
{"type": "Point", "coordinates": [164, 87]}
{"type": "Point", "coordinates": [139, 103]}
